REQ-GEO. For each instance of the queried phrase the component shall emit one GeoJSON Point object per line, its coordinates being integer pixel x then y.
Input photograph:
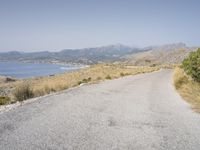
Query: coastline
{"type": "Point", "coordinates": [38, 69]}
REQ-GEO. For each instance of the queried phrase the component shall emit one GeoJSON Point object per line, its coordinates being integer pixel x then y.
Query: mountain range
{"type": "Point", "coordinates": [77, 56]}
{"type": "Point", "coordinates": [171, 53]}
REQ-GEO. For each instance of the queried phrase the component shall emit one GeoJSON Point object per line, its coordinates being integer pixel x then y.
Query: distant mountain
{"type": "Point", "coordinates": [165, 54]}
{"type": "Point", "coordinates": [81, 56]}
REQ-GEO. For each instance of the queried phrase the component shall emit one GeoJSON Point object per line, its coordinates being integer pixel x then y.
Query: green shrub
{"type": "Point", "coordinates": [4, 100]}
{"type": "Point", "coordinates": [108, 77]}
{"type": "Point", "coordinates": [122, 74]}
{"type": "Point", "coordinates": [191, 65]}
{"type": "Point", "coordinates": [85, 81]}
{"type": "Point", "coordinates": [79, 82]}
{"type": "Point", "coordinates": [23, 92]}
{"type": "Point", "coordinates": [152, 65]}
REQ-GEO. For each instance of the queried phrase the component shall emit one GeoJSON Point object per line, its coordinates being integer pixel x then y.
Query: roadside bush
{"type": "Point", "coordinates": [89, 79]}
{"type": "Point", "coordinates": [23, 92]}
{"type": "Point", "coordinates": [85, 81]}
{"type": "Point", "coordinates": [188, 89]}
{"type": "Point", "coordinates": [152, 65]}
{"type": "Point", "coordinates": [4, 100]}
{"type": "Point", "coordinates": [122, 74]}
{"type": "Point", "coordinates": [108, 77]}
{"type": "Point", "coordinates": [180, 78]}
{"type": "Point", "coordinates": [79, 82]}
{"type": "Point", "coordinates": [191, 65]}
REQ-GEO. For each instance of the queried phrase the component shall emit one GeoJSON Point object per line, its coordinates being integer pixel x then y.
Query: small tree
{"type": "Point", "coordinates": [191, 65]}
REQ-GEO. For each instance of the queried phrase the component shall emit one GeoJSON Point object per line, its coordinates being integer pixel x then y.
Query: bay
{"type": "Point", "coordinates": [28, 70]}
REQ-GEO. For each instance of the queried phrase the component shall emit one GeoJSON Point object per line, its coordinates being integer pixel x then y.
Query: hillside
{"type": "Point", "coordinates": [165, 54]}
{"type": "Point", "coordinates": [78, 56]}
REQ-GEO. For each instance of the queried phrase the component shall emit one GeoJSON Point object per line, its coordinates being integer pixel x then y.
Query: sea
{"type": "Point", "coordinates": [28, 70]}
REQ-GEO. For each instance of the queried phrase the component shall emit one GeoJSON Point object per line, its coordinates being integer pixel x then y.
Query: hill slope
{"type": "Point", "coordinates": [165, 54]}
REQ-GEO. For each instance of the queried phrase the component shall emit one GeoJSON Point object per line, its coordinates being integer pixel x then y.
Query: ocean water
{"type": "Point", "coordinates": [28, 70]}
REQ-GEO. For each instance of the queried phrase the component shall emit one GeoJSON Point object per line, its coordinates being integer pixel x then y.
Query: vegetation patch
{"type": "Point", "coordinates": [122, 74]}
{"type": "Point", "coordinates": [108, 77]}
{"type": "Point", "coordinates": [84, 80]}
{"type": "Point", "coordinates": [191, 65]}
{"type": "Point", "coordinates": [4, 100]}
{"type": "Point", "coordinates": [187, 79]}
{"type": "Point", "coordinates": [23, 92]}
{"type": "Point", "coordinates": [188, 88]}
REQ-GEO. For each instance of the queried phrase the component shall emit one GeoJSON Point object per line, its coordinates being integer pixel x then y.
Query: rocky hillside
{"type": "Point", "coordinates": [165, 54]}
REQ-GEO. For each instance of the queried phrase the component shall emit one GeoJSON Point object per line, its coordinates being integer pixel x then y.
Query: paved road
{"type": "Point", "coordinates": [136, 112]}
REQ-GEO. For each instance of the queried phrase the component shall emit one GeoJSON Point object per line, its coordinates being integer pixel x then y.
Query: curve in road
{"type": "Point", "coordinates": [134, 112]}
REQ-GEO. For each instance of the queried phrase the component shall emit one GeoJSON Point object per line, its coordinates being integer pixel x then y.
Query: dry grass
{"type": "Point", "coordinates": [23, 92]}
{"type": "Point", "coordinates": [92, 74]}
{"type": "Point", "coordinates": [187, 88]}
{"type": "Point", "coordinates": [45, 85]}
{"type": "Point", "coordinates": [169, 66]}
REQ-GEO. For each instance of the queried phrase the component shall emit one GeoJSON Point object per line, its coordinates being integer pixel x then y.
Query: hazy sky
{"type": "Point", "coordinates": [32, 25]}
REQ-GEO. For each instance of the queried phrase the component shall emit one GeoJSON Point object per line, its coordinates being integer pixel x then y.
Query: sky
{"type": "Point", "coordinates": [53, 25]}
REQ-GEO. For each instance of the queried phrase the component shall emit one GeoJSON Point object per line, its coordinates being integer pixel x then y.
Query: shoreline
{"type": "Point", "coordinates": [62, 68]}
{"type": "Point", "coordinates": [45, 62]}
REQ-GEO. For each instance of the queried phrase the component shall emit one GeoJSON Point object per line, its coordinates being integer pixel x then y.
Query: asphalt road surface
{"type": "Point", "coordinates": [142, 112]}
